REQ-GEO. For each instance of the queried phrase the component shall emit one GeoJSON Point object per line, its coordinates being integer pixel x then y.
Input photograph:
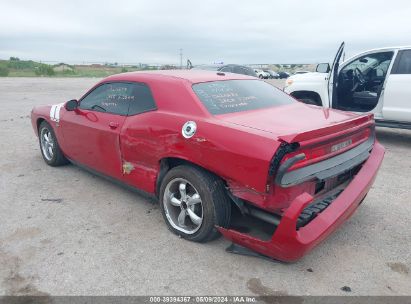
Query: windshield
{"type": "Point", "coordinates": [370, 61]}
{"type": "Point", "coordinates": [230, 96]}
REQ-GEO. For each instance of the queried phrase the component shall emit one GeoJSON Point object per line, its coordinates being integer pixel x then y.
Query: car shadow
{"type": "Point", "coordinates": [397, 137]}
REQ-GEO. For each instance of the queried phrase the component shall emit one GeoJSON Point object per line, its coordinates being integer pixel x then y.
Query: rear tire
{"type": "Point", "coordinates": [193, 202]}
{"type": "Point", "coordinates": [49, 147]}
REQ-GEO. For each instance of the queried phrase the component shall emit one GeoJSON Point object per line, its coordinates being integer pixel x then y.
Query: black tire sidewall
{"type": "Point", "coordinates": [204, 184]}
{"type": "Point", "coordinates": [58, 158]}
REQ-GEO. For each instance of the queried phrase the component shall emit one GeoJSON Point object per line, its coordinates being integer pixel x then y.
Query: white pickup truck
{"type": "Point", "coordinates": [376, 81]}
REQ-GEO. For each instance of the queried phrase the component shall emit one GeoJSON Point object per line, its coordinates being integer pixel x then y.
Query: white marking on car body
{"type": "Point", "coordinates": [55, 112]}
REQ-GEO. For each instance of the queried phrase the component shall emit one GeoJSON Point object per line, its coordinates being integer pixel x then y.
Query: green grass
{"type": "Point", "coordinates": [27, 68]}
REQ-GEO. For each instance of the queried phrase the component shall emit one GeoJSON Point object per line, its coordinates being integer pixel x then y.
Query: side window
{"type": "Point", "coordinates": [402, 64]}
{"type": "Point", "coordinates": [110, 98]}
{"type": "Point", "coordinates": [143, 100]}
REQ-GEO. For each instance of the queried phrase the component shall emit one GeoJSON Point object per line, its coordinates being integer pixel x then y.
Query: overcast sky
{"type": "Point", "coordinates": [232, 31]}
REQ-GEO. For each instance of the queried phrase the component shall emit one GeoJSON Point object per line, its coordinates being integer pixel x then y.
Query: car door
{"type": "Point", "coordinates": [333, 77]}
{"type": "Point", "coordinates": [139, 141]}
{"type": "Point", "coordinates": [91, 132]}
{"type": "Point", "coordinates": [397, 93]}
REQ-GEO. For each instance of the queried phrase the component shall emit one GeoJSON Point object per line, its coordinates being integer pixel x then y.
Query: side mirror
{"type": "Point", "coordinates": [323, 68]}
{"type": "Point", "coordinates": [71, 105]}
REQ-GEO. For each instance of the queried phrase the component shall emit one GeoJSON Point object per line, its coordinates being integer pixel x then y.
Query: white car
{"type": "Point", "coordinates": [301, 72]}
{"type": "Point", "coordinates": [261, 74]}
{"type": "Point", "coordinates": [376, 81]}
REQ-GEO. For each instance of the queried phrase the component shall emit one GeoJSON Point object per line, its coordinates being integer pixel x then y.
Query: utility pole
{"type": "Point", "coordinates": [181, 59]}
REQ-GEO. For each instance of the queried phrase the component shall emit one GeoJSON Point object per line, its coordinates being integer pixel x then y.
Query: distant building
{"type": "Point", "coordinates": [62, 67]}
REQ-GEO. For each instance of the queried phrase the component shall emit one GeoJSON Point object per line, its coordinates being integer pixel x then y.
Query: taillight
{"type": "Point", "coordinates": [326, 150]}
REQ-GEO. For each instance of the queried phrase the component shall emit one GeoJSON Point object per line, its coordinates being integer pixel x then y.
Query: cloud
{"type": "Point", "coordinates": [239, 31]}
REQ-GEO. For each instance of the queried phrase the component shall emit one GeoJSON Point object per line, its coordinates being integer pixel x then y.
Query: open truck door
{"type": "Point", "coordinates": [333, 77]}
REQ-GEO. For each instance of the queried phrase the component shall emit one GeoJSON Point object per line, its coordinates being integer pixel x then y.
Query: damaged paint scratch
{"type": "Point", "coordinates": [127, 167]}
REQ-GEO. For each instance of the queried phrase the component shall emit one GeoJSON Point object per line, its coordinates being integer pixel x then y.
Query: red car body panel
{"type": "Point", "coordinates": [238, 147]}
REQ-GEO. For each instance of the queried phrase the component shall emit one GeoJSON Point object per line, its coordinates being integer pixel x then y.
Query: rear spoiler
{"type": "Point", "coordinates": [332, 131]}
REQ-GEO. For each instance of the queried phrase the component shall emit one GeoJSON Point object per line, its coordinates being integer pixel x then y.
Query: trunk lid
{"type": "Point", "coordinates": [296, 121]}
{"type": "Point", "coordinates": [320, 133]}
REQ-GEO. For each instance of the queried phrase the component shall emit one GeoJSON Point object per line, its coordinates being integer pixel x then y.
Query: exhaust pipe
{"type": "Point", "coordinates": [252, 211]}
{"type": "Point", "coordinates": [263, 215]}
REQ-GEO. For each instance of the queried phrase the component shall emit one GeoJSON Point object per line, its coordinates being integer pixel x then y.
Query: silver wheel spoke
{"type": "Point", "coordinates": [183, 192]}
{"type": "Point", "coordinates": [195, 199]}
{"type": "Point", "coordinates": [194, 217]}
{"type": "Point", "coordinates": [183, 206]}
{"type": "Point", "coordinates": [47, 144]}
{"type": "Point", "coordinates": [175, 201]}
{"type": "Point", "coordinates": [181, 218]}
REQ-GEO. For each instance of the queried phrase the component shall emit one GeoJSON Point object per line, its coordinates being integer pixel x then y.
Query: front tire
{"type": "Point", "coordinates": [49, 147]}
{"type": "Point", "coordinates": [193, 202]}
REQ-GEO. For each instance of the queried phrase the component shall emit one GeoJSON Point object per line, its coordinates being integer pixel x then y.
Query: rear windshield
{"type": "Point", "coordinates": [229, 96]}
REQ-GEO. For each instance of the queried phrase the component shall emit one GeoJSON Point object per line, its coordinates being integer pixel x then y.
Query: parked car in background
{"type": "Point", "coordinates": [211, 147]}
{"type": "Point", "coordinates": [261, 74]}
{"type": "Point", "coordinates": [283, 75]}
{"type": "Point", "coordinates": [272, 74]}
{"type": "Point", "coordinates": [377, 81]}
{"type": "Point", "coordinates": [228, 68]}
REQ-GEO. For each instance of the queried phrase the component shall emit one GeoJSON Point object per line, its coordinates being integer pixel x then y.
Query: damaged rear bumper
{"type": "Point", "coordinates": [289, 244]}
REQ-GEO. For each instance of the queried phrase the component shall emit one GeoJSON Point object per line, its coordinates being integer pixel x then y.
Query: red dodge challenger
{"type": "Point", "coordinates": [223, 153]}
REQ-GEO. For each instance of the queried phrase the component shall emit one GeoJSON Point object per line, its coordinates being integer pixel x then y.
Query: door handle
{"type": "Point", "coordinates": [113, 125]}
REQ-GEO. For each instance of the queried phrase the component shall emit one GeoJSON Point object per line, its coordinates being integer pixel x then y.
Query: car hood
{"type": "Point", "coordinates": [311, 76]}
{"type": "Point", "coordinates": [290, 121]}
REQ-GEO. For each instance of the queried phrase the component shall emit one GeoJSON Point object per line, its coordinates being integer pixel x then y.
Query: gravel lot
{"type": "Point", "coordinates": [67, 232]}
